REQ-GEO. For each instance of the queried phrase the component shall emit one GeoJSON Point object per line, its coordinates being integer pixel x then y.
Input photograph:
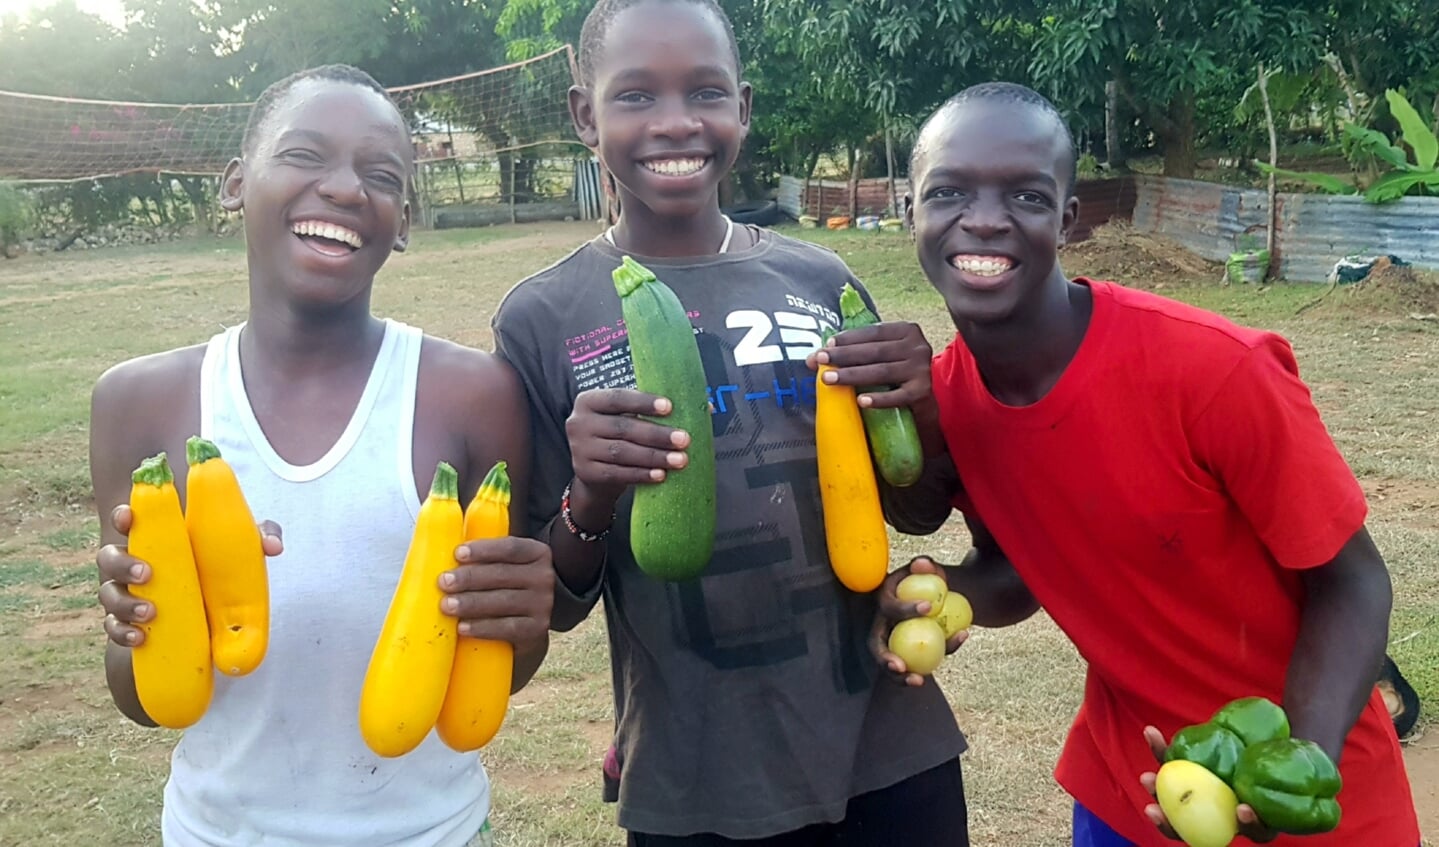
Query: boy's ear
{"type": "Point", "coordinates": [1068, 218]}
{"type": "Point", "coordinates": [746, 100]}
{"type": "Point", "coordinates": [582, 115]}
{"type": "Point", "coordinates": [402, 239]}
{"type": "Point", "coordinates": [909, 211]}
{"type": "Point", "coordinates": [230, 183]}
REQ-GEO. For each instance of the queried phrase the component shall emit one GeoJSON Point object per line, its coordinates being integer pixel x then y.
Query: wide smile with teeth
{"type": "Point", "coordinates": [981, 265]}
{"type": "Point", "coordinates": [675, 167]}
{"type": "Point", "coordinates": [333, 232]}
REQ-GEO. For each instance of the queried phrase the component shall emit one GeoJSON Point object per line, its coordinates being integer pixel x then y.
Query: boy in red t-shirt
{"type": "Point", "coordinates": [1153, 476]}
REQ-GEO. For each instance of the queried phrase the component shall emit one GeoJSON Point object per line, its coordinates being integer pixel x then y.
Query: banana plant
{"type": "Point", "coordinates": [1407, 177]}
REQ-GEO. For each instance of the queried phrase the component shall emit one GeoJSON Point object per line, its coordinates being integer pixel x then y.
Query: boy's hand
{"type": "Point", "coordinates": [502, 590]}
{"type": "Point", "coordinates": [611, 448]}
{"type": "Point", "coordinates": [892, 353]}
{"type": "Point", "coordinates": [1249, 824]}
{"type": "Point", "coordinates": [119, 570]}
{"type": "Point", "coordinates": [892, 610]}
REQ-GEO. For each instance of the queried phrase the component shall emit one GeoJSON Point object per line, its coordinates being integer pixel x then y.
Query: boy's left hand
{"type": "Point", "coordinates": [502, 589]}
{"type": "Point", "coordinates": [892, 353]}
{"type": "Point", "coordinates": [1250, 826]}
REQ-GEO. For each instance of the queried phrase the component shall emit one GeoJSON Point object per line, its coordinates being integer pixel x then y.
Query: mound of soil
{"type": "Point", "coordinates": [1389, 290]}
{"type": "Point", "coordinates": [1116, 251]}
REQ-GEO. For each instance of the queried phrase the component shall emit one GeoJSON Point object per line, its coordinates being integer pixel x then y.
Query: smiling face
{"type": "Point", "coordinates": [323, 190]}
{"type": "Point", "coordinates": [991, 206]}
{"type": "Point", "coordinates": [665, 108]}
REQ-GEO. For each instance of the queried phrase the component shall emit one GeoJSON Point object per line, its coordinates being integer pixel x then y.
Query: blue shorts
{"type": "Point", "coordinates": [1090, 831]}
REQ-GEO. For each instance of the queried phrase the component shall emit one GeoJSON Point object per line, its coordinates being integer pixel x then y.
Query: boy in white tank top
{"type": "Point", "coordinates": [334, 421]}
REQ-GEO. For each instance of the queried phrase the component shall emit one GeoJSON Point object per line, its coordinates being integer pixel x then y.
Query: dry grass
{"type": "Point", "coordinates": [73, 771]}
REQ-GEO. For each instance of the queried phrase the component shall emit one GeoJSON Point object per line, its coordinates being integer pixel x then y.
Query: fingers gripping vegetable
{"type": "Point", "coordinates": [672, 524]}
{"type": "Point", "coordinates": [479, 689]}
{"type": "Point", "coordinates": [230, 559]}
{"type": "Point", "coordinates": [849, 494]}
{"type": "Point", "coordinates": [173, 672]}
{"type": "Point", "coordinates": [410, 667]}
{"type": "Point", "coordinates": [893, 437]}
{"type": "Point", "coordinates": [1292, 785]}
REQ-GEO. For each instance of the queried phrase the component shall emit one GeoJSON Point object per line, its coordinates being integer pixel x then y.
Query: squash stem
{"type": "Point", "coordinates": [496, 485]}
{"type": "Point", "coordinates": [446, 485]}
{"type": "Point", "coordinates": [852, 307]}
{"type": "Point", "coordinates": [198, 450]}
{"type": "Point", "coordinates": [154, 471]}
{"type": "Point", "coordinates": [630, 275]}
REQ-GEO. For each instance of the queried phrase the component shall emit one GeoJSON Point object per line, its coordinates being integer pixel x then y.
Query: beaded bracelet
{"type": "Point", "coordinates": [570, 522]}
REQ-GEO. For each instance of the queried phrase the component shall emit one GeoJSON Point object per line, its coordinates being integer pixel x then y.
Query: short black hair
{"type": "Point", "coordinates": [1004, 92]}
{"type": "Point", "coordinates": [597, 26]}
{"type": "Point", "coordinates": [265, 104]}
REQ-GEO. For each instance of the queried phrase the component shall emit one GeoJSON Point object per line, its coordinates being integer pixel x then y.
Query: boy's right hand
{"type": "Point", "coordinates": [119, 570]}
{"type": "Point", "coordinates": [892, 610]}
{"type": "Point", "coordinates": [612, 448]}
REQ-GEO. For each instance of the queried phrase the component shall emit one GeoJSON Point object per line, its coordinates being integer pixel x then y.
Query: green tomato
{"type": "Point", "coordinates": [955, 614]}
{"type": "Point", "coordinates": [919, 642]}
{"type": "Point", "coordinates": [919, 587]}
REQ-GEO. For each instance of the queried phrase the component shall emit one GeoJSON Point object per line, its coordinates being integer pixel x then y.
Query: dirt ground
{"type": "Point", "coordinates": [1421, 757]}
{"type": "Point", "coordinates": [1118, 251]}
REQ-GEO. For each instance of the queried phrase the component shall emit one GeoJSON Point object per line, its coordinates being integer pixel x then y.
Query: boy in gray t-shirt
{"type": "Point", "coordinates": [747, 702]}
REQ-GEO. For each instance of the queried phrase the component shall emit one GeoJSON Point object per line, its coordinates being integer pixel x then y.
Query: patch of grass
{"type": "Point", "coordinates": [74, 538]}
{"type": "Point", "coordinates": [15, 572]}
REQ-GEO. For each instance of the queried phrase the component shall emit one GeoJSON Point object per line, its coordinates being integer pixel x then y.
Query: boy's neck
{"type": "Point", "coordinates": [644, 233]}
{"type": "Point", "coordinates": [295, 340]}
{"type": "Point", "coordinates": [1022, 359]}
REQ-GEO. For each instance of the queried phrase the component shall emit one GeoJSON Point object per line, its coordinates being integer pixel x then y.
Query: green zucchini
{"type": "Point", "coordinates": [893, 437]}
{"type": "Point", "coordinates": [672, 525]}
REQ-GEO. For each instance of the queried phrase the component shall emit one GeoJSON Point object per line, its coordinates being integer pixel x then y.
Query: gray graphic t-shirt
{"type": "Point", "coordinates": [746, 700]}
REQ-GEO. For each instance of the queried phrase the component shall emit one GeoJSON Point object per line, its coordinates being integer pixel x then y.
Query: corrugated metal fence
{"type": "Point", "coordinates": [1212, 220]}
{"type": "Point", "coordinates": [1315, 230]}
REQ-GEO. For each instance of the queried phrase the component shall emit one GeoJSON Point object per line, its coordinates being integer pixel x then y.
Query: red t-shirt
{"type": "Point", "coordinates": [1159, 502]}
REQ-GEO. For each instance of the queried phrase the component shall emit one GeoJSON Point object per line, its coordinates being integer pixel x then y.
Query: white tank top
{"type": "Point", "coordinates": [278, 758]}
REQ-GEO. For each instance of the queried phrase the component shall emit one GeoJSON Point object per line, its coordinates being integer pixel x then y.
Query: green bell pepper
{"type": "Point", "coordinates": [1210, 745]}
{"type": "Point", "coordinates": [1253, 719]}
{"type": "Point", "coordinates": [1291, 783]}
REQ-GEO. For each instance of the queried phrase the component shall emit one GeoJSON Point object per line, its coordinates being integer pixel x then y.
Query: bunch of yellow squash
{"type": "Point", "coordinates": [208, 583]}
{"type": "Point", "coordinates": [422, 675]}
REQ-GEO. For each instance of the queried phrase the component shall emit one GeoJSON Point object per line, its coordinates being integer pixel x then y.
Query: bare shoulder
{"type": "Point", "coordinates": [139, 408]}
{"type": "Point", "coordinates": [470, 411]}
{"type": "Point", "coordinates": [466, 371]}
{"type": "Point", "coordinates": [151, 385]}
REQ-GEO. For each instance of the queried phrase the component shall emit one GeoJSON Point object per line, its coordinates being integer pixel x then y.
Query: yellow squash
{"type": "Point", "coordinates": [479, 691]}
{"type": "Point", "coordinates": [854, 527]}
{"type": "Point", "coordinates": [173, 675]}
{"type": "Point", "coordinates": [231, 560]}
{"type": "Point", "coordinates": [410, 666]}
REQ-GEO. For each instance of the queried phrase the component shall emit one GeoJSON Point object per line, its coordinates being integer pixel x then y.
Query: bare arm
{"type": "Point", "coordinates": [1342, 635]}
{"type": "Point", "coordinates": [989, 581]}
{"type": "Point", "coordinates": [925, 506]}
{"type": "Point", "coordinates": [501, 589]}
{"type": "Point", "coordinates": [133, 415]}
